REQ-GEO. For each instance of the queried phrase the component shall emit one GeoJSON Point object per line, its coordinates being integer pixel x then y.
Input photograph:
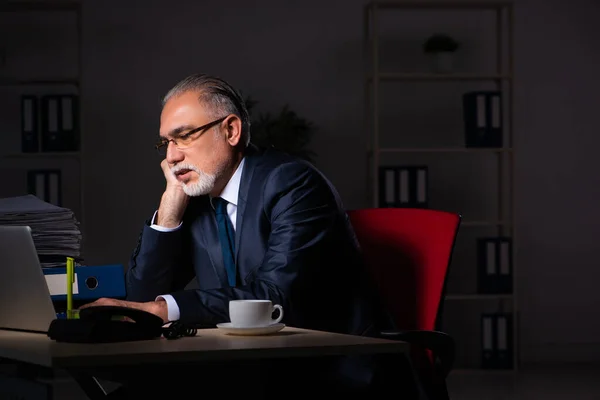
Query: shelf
{"type": "Point", "coordinates": [426, 4]}
{"type": "Point", "coordinates": [445, 150]}
{"type": "Point", "coordinates": [478, 296]}
{"type": "Point", "coordinates": [485, 223]}
{"type": "Point", "coordinates": [418, 76]}
{"type": "Point", "coordinates": [41, 154]}
{"type": "Point", "coordinates": [29, 5]}
{"type": "Point", "coordinates": [482, 371]}
{"type": "Point", "coordinates": [378, 75]}
{"type": "Point", "coordinates": [34, 82]}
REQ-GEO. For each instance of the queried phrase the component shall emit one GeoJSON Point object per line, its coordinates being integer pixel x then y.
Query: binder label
{"type": "Point", "coordinates": [421, 186]}
{"type": "Point", "coordinates": [52, 115]}
{"type": "Point", "coordinates": [57, 284]}
{"type": "Point", "coordinates": [404, 186]}
{"type": "Point", "coordinates": [502, 333]}
{"type": "Point", "coordinates": [67, 113]}
{"type": "Point", "coordinates": [481, 111]}
{"type": "Point", "coordinates": [28, 115]}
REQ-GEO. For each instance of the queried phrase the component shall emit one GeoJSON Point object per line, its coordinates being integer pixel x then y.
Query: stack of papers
{"type": "Point", "coordinates": [55, 230]}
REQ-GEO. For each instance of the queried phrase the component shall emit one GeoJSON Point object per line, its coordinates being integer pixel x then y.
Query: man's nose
{"type": "Point", "coordinates": [174, 155]}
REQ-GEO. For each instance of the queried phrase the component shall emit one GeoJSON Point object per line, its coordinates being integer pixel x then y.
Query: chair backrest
{"type": "Point", "coordinates": [408, 252]}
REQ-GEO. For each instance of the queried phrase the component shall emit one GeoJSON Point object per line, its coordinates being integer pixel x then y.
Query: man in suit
{"type": "Point", "coordinates": [248, 223]}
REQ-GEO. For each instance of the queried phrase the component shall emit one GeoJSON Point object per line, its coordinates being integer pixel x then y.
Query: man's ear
{"type": "Point", "coordinates": [233, 127]}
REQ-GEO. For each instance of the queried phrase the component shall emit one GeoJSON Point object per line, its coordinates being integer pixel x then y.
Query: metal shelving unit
{"type": "Point", "coordinates": [62, 6]}
{"type": "Point", "coordinates": [502, 77]}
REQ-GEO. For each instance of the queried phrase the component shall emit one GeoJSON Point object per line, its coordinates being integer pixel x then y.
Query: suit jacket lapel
{"type": "Point", "coordinates": [245, 180]}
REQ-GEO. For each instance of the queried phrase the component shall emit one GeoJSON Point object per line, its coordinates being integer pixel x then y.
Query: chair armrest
{"type": "Point", "coordinates": [441, 345]}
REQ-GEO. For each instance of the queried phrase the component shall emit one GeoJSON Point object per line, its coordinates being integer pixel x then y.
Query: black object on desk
{"type": "Point", "coordinates": [106, 324]}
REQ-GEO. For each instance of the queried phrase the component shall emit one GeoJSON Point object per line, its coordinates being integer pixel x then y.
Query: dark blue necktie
{"type": "Point", "coordinates": [226, 237]}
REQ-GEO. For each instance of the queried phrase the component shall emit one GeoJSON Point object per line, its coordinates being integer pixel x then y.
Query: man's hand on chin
{"type": "Point", "coordinates": [158, 307]}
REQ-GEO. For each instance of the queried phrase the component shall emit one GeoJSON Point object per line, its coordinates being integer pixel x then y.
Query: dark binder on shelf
{"type": "Point", "coordinates": [494, 265]}
{"type": "Point", "coordinates": [496, 341]}
{"type": "Point", "coordinates": [403, 186]}
{"type": "Point", "coordinates": [46, 184]}
{"type": "Point", "coordinates": [482, 115]}
{"type": "Point", "coordinates": [387, 187]}
{"type": "Point", "coordinates": [60, 123]}
{"type": "Point", "coordinates": [487, 341]}
{"type": "Point", "coordinates": [29, 124]}
{"type": "Point", "coordinates": [504, 343]}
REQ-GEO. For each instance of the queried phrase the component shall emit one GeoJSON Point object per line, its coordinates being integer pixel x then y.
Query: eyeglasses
{"type": "Point", "coordinates": [185, 140]}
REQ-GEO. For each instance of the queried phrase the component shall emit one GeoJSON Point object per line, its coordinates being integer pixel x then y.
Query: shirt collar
{"type": "Point", "coordinates": [231, 190]}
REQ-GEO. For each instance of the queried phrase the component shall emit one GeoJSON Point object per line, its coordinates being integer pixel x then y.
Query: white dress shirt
{"type": "Point", "coordinates": [230, 194]}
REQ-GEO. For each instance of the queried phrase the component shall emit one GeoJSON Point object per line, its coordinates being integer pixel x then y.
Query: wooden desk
{"type": "Point", "coordinates": [207, 345]}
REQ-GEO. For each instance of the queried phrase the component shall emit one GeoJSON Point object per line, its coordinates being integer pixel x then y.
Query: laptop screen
{"type": "Point", "coordinates": [24, 294]}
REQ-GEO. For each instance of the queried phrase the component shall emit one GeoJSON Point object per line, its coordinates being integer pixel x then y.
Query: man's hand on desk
{"type": "Point", "coordinates": [158, 307]}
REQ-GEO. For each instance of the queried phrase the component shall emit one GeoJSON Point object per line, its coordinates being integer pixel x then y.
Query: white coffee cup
{"type": "Point", "coordinates": [253, 313]}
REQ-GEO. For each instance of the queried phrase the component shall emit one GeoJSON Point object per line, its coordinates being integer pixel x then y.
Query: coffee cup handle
{"type": "Point", "coordinates": [280, 316]}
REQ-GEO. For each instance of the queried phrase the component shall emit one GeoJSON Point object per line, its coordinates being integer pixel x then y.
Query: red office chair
{"type": "Point", "coordinates": [408, 252]}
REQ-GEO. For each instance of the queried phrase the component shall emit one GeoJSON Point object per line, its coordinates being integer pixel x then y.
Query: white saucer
{"type": "Point", "coordinates": [259, 330]}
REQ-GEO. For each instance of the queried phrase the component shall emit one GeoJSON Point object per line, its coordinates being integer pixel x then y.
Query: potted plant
{"type": "Point", "coordinates": [441, 47]}
{"type": "Point", "coordinates": [284, 130]}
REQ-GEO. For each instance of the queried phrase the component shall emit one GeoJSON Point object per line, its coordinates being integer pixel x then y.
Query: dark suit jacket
{"type": "Point", "coordinates": [294, 245]}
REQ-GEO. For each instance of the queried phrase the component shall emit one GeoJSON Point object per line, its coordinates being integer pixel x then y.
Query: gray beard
{"type": "Point", "coordinates": [204, 185]}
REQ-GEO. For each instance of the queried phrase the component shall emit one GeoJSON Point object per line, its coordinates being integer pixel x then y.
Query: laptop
{"type": "Point", "coordinates": [25, 302]}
